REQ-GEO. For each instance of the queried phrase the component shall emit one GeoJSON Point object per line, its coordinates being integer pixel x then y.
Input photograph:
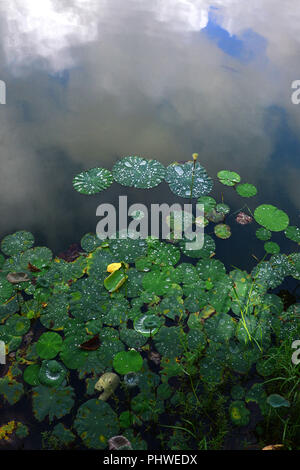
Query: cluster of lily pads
{"type": "Point", "coordinates": [147, 322]}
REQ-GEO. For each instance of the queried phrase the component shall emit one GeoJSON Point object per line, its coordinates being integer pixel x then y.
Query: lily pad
{"type": "Point", "coordinates": [31, 374]}
{"type": "Point", "coordinates": [208, 202]}
{"type": "Point", "coordinates": [49, 345]}
{"type": "Point", "coordinates": [272, 248]}
{"type": "Point", "coordinates": [52, 373]}
{"type": "Point", "coordinates": [271, 217]}
{"type": "Point", "coordinates": [95, 423]}
{"type": "Point", "coordinates": [263, 234]}
{"type": "Point", "coordinates": [229, 178]}
{"type": "Point", "coordinates": [184, 178]}
{"type": "Point", "coordinates": [277, 401]}
{"type": "Point", "coordinates": [92, 181]}
{"type": "Point", "coordinates": [222, 231]}
{"type": "Point", "coordinates": [127, 361]}
{"type": "Point", "coordinates": [239, 414]}
{"type": "Point", "coordinates": [54, 402]}
{"type": "Point", "coordinates": [38, 257]}
{"type": "Point", "coordinates": [6, 289]}
{"type": "Point", "coordinates": [17, 325]}
{"type": "Point", "coordinates": [246, 190]}
{"type": "Point", "coordinates": [147, 325]}
{"type": "Point", "coordinates": [293, 233]}
{"type": "Point", "coordinates": [138, 172]}
{"type": "Point", "coordinates": [17, 242]}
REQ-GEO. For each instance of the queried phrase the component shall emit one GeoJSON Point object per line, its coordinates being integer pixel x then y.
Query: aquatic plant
{"type": "Point", "coordinates": [178, 332]}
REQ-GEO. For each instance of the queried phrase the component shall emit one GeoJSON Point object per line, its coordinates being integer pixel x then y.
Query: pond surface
{"type": "Point", "coordinates": [89, 82]}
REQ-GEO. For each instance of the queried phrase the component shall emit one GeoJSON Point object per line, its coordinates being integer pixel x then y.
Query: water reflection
{"type": "Point", "coordinates": [89, 81]}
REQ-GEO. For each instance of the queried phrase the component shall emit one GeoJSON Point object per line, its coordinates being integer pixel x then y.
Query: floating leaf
{"type": "Point", "coordinates": [293, 233]}
{"type": "Point", "coordinates": [272, 247]}
{"type": "Point", "coordinates": [208, 202]}
{"type": "Point", "coordinates": [53, 402]}
{"type": "Point", "coordinates": [277, 401]}
{"type": "Point", "coordinates": [138, 172]}
{"type": "Point", "coordinates": [127, 361]}
{"type": "Point", "coordinates": [95, 423]}
{"type": "Point", "coordinates": [49, 345]}
{"type": "Point", "coordinates": [90, 242]}
{"type": "Point", "coordinates": [222, 208]}
{"type": "Point", "coordinates": [6, 289]}
{"type": "Point", "coordinates": [63, 434]}
{"type": "Point", "coordinates": [37, 258]}
{"type": "Point", "coordinates": [239, 414]}
{"type": "Point", "coordinates": [229, 178]}
{"type": "Point", "coordinates": [92, 181]}
{"type": "Point", "coordinates": [52, 373]}
{"type": "Point", "coordinates": [17, 242]}
{"type": "Point", "coordinates": [246, 190]}
{"type": "Point", "coordinates": [271, 217]}
{"type": "Point", "coordinates": [31, 374]}
{"type": "Point", "coordinates": [263, 234]}
{"type": "Point", "coordinates": [222, 231]}
{"type": "Point", "coordinates": [147, 325]}
{"type": "Point", "coordinates": [17, 325]}
{"type": "Point", "coordinates": [183, 178]}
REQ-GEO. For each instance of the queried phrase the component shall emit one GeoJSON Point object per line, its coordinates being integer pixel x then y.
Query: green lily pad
{"type": "Point", "coordinates": [138, 172]}
{"type": "Point", "coordinates": [17, 242]}
{"type": "Point", "coordinates": [127, 361]}
{"type": "Point", "coordinates": [127, 249]}
{"type": "Point", "coordinates": [92, 181]}
{"type": "Point", "coordinates": [95, 423]}
{"type": "Point", "coordinates": [239, 414]}
{"type": "Point", "coordinates": [222, 231]}
{"type": "Point", "coordinates": [11, 390]}
{"type": "Point", "coordinates": [229, 178]}
{"type": "Point", "coordinates": [272, 248]}
{"type": "Point", "coordinates": [277, 401]}
{"type": "Point", "coordinates": [182, 178]}
{"type": "Point", "coordinates": [271, 217]}
{"type": "Point", "coordinates": [220, 327]}
{"type": "Point", "coordinates": [39, 257]}
{"type": "Point", "coordinates": [132, 338]}
{"type": "Point", "coordinates": [52, 373]}
{"type": "Point", "coordinates": [31, 374]}
{"type": "Point", "coordinates": [54, 402]}
{"type": "Point", "coordinates": [246, 190]}
{"type": "Point", "coordinates": [222, 208]}
{"type": "Point", "coordinates": [6, 289]}
{"type": "Point", "coordinates": [49, 345]}
{"type": "Point", "coordinates": [263, 234]}
{"type": "Point", "coordinates": [147, 325]}
{"type": "Point", "coordinates": [90, 242]}
{"type": "Point", "coordinates": [163, 254]}
{"type": "Point", "coordinates": [208, 202]}
{"type": "Point", "coordinates": [293, 233]}
{"type": "Point", "coordinates": [205, 252]}
{"type": "Point", "coordinates": [63, 434]}
{"type": "Point", "coordinates": [17, 325]}
{"type": "Point", "coordinates": [167, 341]}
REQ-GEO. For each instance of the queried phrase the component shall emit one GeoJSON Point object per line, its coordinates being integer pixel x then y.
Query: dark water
{"type": "Point", "coordinates": [88, 82]}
